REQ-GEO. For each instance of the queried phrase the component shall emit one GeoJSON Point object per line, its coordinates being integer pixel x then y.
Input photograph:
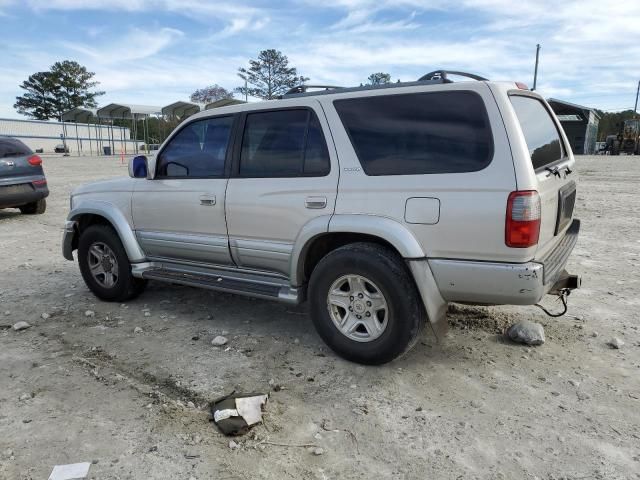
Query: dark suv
{"type": "Point", "coordinates": [22, 181]}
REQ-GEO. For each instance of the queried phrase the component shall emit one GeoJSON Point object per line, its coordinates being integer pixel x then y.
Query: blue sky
{"type": "Point", "coordinates": [159, 51]}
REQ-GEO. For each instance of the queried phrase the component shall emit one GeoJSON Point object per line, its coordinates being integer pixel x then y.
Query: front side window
{"type": "Point", "coordinates": [539, 131]}
{"type": "Point", "coordinates": [198, 150]}
{"type": "Point", "coordinates": [418, 133]}
{"type": "Point", "coordinates": [283, 143]}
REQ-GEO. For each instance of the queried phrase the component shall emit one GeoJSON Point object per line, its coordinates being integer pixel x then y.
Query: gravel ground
{"type": "Point", "coordinates": [80, 385]}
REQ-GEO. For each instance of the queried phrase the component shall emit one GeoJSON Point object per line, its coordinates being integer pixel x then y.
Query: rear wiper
{"type": "Point", "coordinates": [552, 171]}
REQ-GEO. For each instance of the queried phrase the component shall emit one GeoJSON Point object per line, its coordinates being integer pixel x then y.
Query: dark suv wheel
{"type": "Point", "coordinates": [364, 303]}
{"type": "Point", "coordinates": [34, 208]}
{"type": "Point", "coordinates": [105, 267]}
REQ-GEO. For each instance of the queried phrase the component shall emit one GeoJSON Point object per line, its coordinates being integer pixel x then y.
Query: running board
{"type": "Point", "coordinates": [252, 285]}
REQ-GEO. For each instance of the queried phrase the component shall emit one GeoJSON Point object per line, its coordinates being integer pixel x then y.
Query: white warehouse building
{"type": "Point", "coordinates": [79, 138]}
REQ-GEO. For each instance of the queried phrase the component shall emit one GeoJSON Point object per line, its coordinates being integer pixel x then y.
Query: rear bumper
{"type": "Point", "coordinates": [507, 283]}
{"type": "Point", "coordinates": [19, 194]}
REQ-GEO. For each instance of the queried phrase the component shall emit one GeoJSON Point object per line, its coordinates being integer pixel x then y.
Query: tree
{"type": "Point", "coordinates": [210, 94]}
{"type": "Point", "coordinates": [66, 85]}
{"type": "Point", "coordinates": [379, 78]}
{"type": "Point", "coordinates": [39, 101]}
{"type": "Point", "coordinates": [269, 76]}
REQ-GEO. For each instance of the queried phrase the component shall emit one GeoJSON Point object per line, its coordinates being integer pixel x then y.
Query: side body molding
{"type": "Point", "coordinates": [117, 220]}
{"type": "Point", "coordinates": [385, 228]}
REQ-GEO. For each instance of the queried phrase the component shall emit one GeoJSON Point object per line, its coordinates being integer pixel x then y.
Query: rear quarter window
{"type": "Point", "coordinates": [418, 133]}
{"type": "Point", "coordinates": [540, 132]}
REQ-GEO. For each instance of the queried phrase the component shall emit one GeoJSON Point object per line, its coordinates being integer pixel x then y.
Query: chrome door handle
{"type": "Point", "coordinates": [315, 202]}
{"type": "Point", "coordinates": [208, 200]}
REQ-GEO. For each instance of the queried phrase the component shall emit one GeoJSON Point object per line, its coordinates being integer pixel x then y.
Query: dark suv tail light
{"type": "Point", "coordinates": [522, 227]}
{"type": "Point", "coordinates": [34, 160]}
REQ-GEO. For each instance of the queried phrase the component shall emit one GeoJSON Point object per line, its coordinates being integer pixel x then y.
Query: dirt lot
{"type": "Point", "coordinates": [475, 406]}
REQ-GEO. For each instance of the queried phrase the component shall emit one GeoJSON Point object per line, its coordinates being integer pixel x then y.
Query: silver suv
{"type": "Point", "coordinates": [377, 204]}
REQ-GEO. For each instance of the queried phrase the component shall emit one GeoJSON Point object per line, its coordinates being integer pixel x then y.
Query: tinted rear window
{"type": "Point", "coordinates": [10, 147]}
{"type": "Point", "coordinates": [539, 131]}
{"type": "Point", "coordinates": [444, 132]}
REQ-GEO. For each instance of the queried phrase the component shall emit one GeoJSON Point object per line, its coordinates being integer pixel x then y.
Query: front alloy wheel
{"type": "Point", "coordinates": [103, 264]}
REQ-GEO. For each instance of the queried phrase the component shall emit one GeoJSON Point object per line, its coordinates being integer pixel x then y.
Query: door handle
{"type": "Point", "coordinates": [208, 200]}
{"type": "Point", "coordinates": [315, 202]}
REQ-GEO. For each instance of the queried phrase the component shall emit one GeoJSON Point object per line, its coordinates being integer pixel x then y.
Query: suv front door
{"type": "Point", "coordinates": [282, 179]}
{"type": "Point", "coordinates": [179, 215]}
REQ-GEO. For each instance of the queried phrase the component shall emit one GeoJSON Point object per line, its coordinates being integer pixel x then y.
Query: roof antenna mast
{"type": "Point", "coordinates": [535, 72]}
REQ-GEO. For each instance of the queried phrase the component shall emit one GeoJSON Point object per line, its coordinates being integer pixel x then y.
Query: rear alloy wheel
{"type": "Point", "coordinates": [34, 208]}
{"type": "Point", "coordinates": [105, 266]}
{"type": "Point", "coordinates": [365, 304]}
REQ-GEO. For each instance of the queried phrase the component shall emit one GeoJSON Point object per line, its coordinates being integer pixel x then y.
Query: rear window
{"type": "Point", "coordinates": [419, 133]}
{"type": "Point", "coordinates": [10, 147]}
{"type": "Point", "coordinates": [539, 131]}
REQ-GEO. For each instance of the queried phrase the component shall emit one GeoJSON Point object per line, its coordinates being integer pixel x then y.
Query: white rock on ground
{"type": "Point", "coordinates": [526, 332]}
{"type": "Point", "coordinates": [20, 326]}
{"type": "Point", "coordinates": [89, 313]}
{"type": "Point", "coordinates": [138, 330]}
{"type": "Point", "coordinates": [615, 342]}
{"type": "Point", "coordinates": [45, 316]}
{"type": "Point", "coordinates": [219, 341]}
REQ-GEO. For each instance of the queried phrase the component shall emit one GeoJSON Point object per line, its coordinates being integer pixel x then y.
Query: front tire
{"type": "Point", "coordinates": [364, 303]}
{"type": "Point", "coordinates": [34, 208]}
{"type": "Point", "coordinates": [105, 266]}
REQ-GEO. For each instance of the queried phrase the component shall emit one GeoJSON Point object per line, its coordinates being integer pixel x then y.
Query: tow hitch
{"type": "Point", "coordinates": [562, 288]}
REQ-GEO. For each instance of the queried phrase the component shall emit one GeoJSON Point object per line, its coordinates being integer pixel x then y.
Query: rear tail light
{"type": "Point", "coordinates": [34, 160]}
{"type": "Point", "coordinates": [40, 183]}
{"type": "Point", "coordinates": [523, 219]}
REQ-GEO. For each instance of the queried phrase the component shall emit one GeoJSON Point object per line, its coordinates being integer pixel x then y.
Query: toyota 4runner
{"type": "Point", "coordinates": [377, 204]}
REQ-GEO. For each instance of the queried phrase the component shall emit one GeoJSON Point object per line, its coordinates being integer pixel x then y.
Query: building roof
{"type": "Point", "coordinates": [180, 109]}
{"type": "Point", "coordinates": [574, 106]}
{"type": "Point", "coordinates": [127, 110]}
{"type": "Point", "coordinates": [79, 115]}
{"type": "Point", "coordinates": [225, 102]}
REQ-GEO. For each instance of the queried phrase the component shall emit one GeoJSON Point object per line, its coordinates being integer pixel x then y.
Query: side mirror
{"type": "Point", "coordinates": [138, 167]}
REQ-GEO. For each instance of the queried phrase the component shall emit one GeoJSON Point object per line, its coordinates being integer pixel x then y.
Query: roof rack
{"type": "Point", "coordinates": [435, 77]}
{"type": "Point", "coordinates": [304, 88]}
{"type": "Point", "coordinates": [442, 75]}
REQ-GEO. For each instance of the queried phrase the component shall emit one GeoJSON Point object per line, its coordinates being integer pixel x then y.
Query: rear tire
{"type": "Point", "coordinates": [372, 283]}
{"type": "Point", "coordinates": [34, 208]}
{"type": "Point", "coordinates": [105, 266]}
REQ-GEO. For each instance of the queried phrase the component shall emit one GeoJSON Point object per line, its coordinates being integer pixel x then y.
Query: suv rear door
{"type": "Point", "coordinates": [553, 166]}
{"type": "Point", "coordinates": [284, 176]}
{"type": "Point", "coordinates": [13, 162]}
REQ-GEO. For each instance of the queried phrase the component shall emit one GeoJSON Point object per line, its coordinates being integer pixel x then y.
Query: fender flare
{"type": "Point", "coordinates": [393, 232]}
{"type": "Point", "coordinates": [117, 220]}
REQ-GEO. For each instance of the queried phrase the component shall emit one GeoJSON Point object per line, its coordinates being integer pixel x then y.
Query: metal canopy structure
{"type": "Point", "coordinates": [127, 111]}
{"type": "Point", "coordinates": [225, 102]}
{"type": "Point", "coordinates": [133, 112]}
{"type": "Point", "coordinates": [180, 109]}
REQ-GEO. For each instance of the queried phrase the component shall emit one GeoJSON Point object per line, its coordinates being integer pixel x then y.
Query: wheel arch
{"type": "Point", "coordinates": [106, 214]}
{"type": "Point", "coordinates": [319, 237]}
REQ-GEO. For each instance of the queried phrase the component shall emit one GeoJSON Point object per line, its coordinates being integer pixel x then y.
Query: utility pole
{"type": "Point", "coordinates": [635, 109]}
{"type": "Point", "coordinates": [246, 93]}
{"type": "Point", "coordinates": [535, 72]}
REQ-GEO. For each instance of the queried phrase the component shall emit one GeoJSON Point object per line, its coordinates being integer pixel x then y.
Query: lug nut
{"type": "Point", "coordinates": [360, 295]}
{"type": "Point", "coordinates": [368, 303]}
{"type": "Point", "coordinates": [368, 314]}
{"type": "Point", "coordinates": [351, 298]}
{"type": "Point", "coordinates": [351, 309]}
{"type": "Point", "coordinates": [359, 316]}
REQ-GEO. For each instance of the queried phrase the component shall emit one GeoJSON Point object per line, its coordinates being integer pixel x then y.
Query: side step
{"type": "Point", "coordinates": [226, 281]}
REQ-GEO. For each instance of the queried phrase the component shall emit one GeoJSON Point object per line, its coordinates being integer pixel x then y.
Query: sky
{"type": "Point", "coordinates": [155, 52]}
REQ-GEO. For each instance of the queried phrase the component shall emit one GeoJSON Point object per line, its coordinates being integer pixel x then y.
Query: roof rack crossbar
{"type": "Point", "coordinates": [443, 75]}
{"type": "Point", "coordinates": [303, 88]}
